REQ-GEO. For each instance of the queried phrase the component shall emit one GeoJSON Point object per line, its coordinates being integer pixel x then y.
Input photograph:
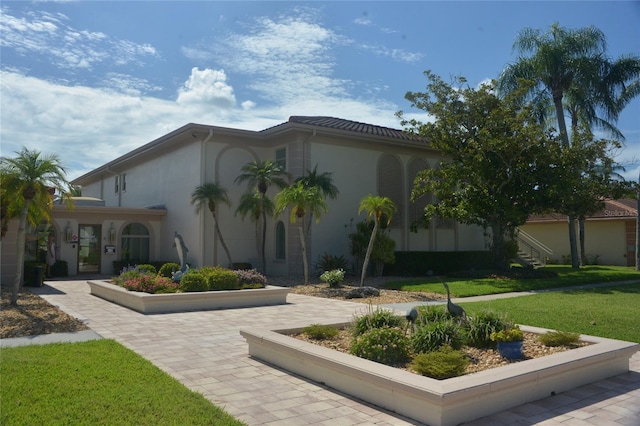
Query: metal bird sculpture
{"type": "Point", "coordinates": [454, 310]}
{"type": "Point", "coordinates": [411, 317]}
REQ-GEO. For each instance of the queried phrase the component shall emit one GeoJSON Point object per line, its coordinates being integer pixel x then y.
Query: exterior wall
{"type": "Point", "coordinates": [605, 239]}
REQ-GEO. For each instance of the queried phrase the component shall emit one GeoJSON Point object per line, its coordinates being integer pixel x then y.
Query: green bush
{"type": "Point", "coordinates": [431, 313]}
{"type": "Point", "coordinates": [480, 326]}
{"type": "Point", "coordinates": [432, 336]}
{"type": "Point", "coordinates": [559, 338]}
{"type": "Point", "coordinates": [421, 263]}
{"type": "Point", "coordinates": [250, 278]}
{"type": "Point", "coordinates": [377, 318]}
{"type": "Point", "coordinates": [193, 280]}
{"type": "Point", "coordinates": [126, 275]}
{"type": "Point", "coordinates": [443, 363]}
{"type": "Point", "coordinates": [168, 269]}
{"type": "Point", "coordinates": [147, 268]}
{"type": "Point", "coordinates": [385, 345]}
{"type": "Point", "coordinates": [219, 278]}
{"type": "Point", "coordinates": [333, 278]}
{"type": "Point", "coordinates": [509, 334]}
{"type": "Point", "coordinates": [320, 331]}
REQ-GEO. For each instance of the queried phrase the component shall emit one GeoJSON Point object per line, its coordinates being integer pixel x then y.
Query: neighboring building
{"type": "Point", "coordinates": [147, 196]}
{"type": "Point", "coordinates": [610, 234]}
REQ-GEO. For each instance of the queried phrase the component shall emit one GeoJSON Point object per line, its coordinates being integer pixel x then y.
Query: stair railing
{"type": "Point", "coordinates": [535, 251]}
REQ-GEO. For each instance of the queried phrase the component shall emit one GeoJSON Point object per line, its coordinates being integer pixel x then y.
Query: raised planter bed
{"type": "Point", "coordinates": [182, 302]}
{"type": "Point", "coordinates": [443, 402]}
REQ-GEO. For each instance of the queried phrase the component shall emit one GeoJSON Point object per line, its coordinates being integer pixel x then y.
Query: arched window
{"type": "Point", "coordinates": [280, 241]}
{"type": "Point", "coordinates": [135, 243]}
{"type": "Point", "coordinates": [390, 178]}
{"type": "Point", "coordinates": [416, 208]}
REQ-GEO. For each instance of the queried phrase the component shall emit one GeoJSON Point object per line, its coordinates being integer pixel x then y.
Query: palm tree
{"type": "Point", "coordinates": [376, 208]}
{"type": "Point", "coordinates": [322, 181]}
{"type": "Point", "coordinates": [260, 175]}
{"type": "Point", "coordinates": [252, 204]}
{"type": "Point", "coordinates": [212, 194]}
{"type": "Point", "coordinates": [560, 60]}
{"type": "Point", "coordinates": [302, 200]}
{"type": "Point", "coordinates": [26, 180]}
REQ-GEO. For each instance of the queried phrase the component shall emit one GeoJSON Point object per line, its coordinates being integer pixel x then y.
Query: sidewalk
{"type": "Point", "coordinates": [205, 352]}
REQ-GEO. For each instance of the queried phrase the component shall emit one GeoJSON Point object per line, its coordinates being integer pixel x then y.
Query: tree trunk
{"type": "Point", "coordinates": [583, 254]}
{"type": "Point", "coordinates": [22, 231]}
{"type": "Point", "coordinates": [224, 245]}
{"type": "Point", "coordinates": [499, 261]}
{"type": "Point", "coordinates": [264, 238]}
{"type": "Point", "coordinates": [305, 263]}
{"type": "Point", "coordinates": [575, 260]}
{"type": "Point", "coordinates": [369, 250]}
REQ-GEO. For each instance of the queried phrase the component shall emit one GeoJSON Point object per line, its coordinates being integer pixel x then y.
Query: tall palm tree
{"type": "Point", "coordinates": [302, 200]}
{"type": "Point", "coordinates": [212, 194]}
{"type": "Point", "coordinates": [559, 60]}
{"type": "Point", "coordinates": [376, 207]}
{"type": "Point", "coordinates": [251, 204]}
{"type": "Point", "coordinates": [260, 175]}
{"type": "Point", "coordinates": [26, 180]}
{"type": "Point", "coordinates": [323, 181]}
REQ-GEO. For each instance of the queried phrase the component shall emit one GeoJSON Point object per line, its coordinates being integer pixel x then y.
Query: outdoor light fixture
{"type": "Point", "coordinates": [112, 234]}
{"type": "Point", "coordinates": [68, 233]}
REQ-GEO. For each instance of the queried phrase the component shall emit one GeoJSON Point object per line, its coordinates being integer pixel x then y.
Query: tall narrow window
{"type": "Point", "coordinates": [117, 186]}
{"type": "Point", "coordinates": [135, 243]}
{"type": "Point", "coordinates": [390, 185]}
{"type": "Point", "coordinates": [280, 241]}
{"type": "Point", "coordinates": [281, 158]}
{"type": "Point", "coordinates": [124, 182]}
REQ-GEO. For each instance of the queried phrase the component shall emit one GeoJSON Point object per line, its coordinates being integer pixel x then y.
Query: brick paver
{"type": "Point", "coordinates": [205, 351]}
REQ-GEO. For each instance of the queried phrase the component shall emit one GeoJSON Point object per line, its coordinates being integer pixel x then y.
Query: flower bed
{"type": "Point", "coordinates": [181, 302]}
{"type": "Point", "coordinates": [443, 402]}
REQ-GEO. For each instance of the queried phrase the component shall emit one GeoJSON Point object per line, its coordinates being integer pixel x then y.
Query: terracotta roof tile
{"type": "Point", "coordinates": [351, 126]}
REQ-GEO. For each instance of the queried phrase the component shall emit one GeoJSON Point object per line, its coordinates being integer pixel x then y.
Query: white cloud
{"type": "Point", "coordinates": [396, 54]}
{"type": "Point", "coordinates": [207, 87]}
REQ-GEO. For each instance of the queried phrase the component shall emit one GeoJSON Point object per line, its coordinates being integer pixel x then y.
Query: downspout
{"type": "Point", "coordinates": [203, 212]}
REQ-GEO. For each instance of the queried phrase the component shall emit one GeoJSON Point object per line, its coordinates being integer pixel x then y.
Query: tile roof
{"type": "Point", "coordinates": [351, 126]}
{"type": "Point", "coordinates": [625, 208]}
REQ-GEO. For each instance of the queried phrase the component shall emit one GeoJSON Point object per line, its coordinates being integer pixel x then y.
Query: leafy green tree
{"type": "Point", "coordinates": [376, 208]}
{"type": "Point", "coordinates": [322, 181]}
{"type": "Point", "coordinates": [572, 63]}
{"type": "Point", "coordinates": [499, 160]}
{"type": "Point", "coordinates": [302, 200]}
{"type": "Point", "coordinates": [260, 175]}
{"type": "Point", "coordinates": [212, 195]}
{"type": "Point", "coordinates": [27, 181]}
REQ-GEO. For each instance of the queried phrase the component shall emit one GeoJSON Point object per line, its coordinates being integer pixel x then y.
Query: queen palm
{"type": "Point", "coordinates": [259, 175]}
{"type": "Point", "coordinates": [560, 61]}
{"type": "Point", "coordinates": [212, 195]}
{"type": "Point", "coordinates": [376, 208]}
{"type": "Point", "coordinates": [251, 204]}
{"type": "Point", "coordinates": [302, 200]}
{"type": "Point", "coordinates": [26, 181]}
{"type": "Point", "coordinates": [323, 181]}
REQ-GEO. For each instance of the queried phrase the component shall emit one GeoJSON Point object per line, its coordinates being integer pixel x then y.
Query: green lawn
{"type": "Point", "coordinates": [612, 312]}
{"type": "Point", "coordinates": [567, 277]}
{"type": "Point", "coordinates": [92, 383]}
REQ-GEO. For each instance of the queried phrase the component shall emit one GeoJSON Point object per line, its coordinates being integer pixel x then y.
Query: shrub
{"type": "Point", "coordinates": [431, 313]}
{"type": "Point", "coordinates": [320, 332]}
{"type": "Point", "coordinates": [148, 283]}
{"type": "Point", "coordinates": [221, 279]}
{"type": "Point", "coordinates": [247, 278]}
{"type": "Point", "coordinates": [510, 334]}
{"type": "Point", "coordinates": [482, 324]}
{"type": "Point", "coordinates": [168, 269]}
{"type": "Point", "coordinates": [127, 274]}
{"type": "Point", "coordinates": [333, 278]}
{"type": "Point", "coordinates": [385, 345]}
{"type": "Point", "coordinates": [443, 363]}
{"type": "Point", "coordinates": [193, 280]}
{"type": "Point", "coordinates": [328, 262]}
{"type": "Point", "coordinates": [559, 338]}
{"type": "Point", "coordinates": [432, 336]}
{"type": "Point", "coordinates": [147, 268]}
{"type": "Point", "coordinates": [375, 319]}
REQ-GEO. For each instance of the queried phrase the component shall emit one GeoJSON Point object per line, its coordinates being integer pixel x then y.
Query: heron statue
{"type": "Point", "coordinates": [454, 310]}
{"type": "Point", "coordinates": [411, 317]}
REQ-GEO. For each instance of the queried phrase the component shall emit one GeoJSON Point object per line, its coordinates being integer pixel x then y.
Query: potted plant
{"type": "Point", "coordinates": [509, 342]}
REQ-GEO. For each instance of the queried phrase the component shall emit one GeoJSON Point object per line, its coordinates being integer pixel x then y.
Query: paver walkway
{"type": "Point", "coordinates": [205, 351]}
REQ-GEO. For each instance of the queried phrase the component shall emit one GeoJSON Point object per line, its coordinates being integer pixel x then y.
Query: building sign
{"type": "Point", "coordinates": [618, 213]}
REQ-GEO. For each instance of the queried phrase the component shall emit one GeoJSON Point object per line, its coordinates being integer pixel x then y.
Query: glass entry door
{"type": "Point", "coordinates": [89, 249]}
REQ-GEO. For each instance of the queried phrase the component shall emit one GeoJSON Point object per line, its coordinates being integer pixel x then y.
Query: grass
{"type": "Point", "coordinates": [96, 382]}
{"type": "Point", "coordinates": [610, 312]}
{"type": "Point", "coordinates": [566, 277]}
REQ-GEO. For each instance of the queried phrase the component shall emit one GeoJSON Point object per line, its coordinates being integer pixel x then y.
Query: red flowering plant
{"type": "Point", "coordinates": [149, 283]}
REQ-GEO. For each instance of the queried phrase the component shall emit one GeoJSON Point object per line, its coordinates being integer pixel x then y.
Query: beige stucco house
{"type": "Point", "coordinates": [610, 234]}
{"type": "Point", "coordinates": [147, 196]}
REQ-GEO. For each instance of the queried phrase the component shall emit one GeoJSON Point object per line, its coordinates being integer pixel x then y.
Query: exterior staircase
{"type": "Point", "coordinates": [531, 252]}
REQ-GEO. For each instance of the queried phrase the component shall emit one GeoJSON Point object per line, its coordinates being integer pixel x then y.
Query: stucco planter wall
{"type": "Point", "coordinates": [181, 302]}
{"type": "Point", "coordinates": [443, 402]}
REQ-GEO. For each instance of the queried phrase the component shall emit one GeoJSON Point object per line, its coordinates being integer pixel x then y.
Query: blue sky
{"type": "Point", "coordinates": [91, 81]}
